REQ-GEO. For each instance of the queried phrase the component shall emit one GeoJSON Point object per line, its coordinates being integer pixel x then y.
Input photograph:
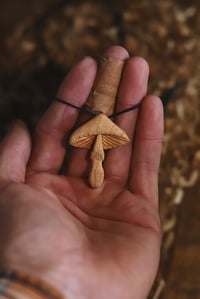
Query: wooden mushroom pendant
{"type": "Point", "coordinates": [100, 132]}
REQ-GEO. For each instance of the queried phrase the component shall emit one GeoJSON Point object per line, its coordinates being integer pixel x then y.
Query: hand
{"type": "Point", "coordinates": [89, 243]}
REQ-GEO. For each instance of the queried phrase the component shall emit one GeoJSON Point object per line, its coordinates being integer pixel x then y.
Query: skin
{"type": "Point", "coordinates": [88, 243]}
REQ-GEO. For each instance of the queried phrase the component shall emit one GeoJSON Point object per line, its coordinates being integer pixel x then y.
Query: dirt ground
{"type": "Point", "coordinates": [41, 40]}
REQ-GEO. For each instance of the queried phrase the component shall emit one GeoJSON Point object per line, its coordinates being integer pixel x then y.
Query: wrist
{"type": "Point", "coordinates": [17, 285]}
{"type": "Point", "coordinates": [56, 274]}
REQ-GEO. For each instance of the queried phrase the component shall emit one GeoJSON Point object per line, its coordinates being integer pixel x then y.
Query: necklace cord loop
{"type": "Point", "coordinates": [85, 110]}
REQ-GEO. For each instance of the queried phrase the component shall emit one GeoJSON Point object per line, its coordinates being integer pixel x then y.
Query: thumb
{"type": "Point", "coordinates": [14, 154]}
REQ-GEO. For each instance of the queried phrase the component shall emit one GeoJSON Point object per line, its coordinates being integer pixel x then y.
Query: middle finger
{"type": "Point", "coordinates": [132, 89]}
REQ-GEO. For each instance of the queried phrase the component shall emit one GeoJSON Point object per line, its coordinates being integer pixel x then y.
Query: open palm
{"type": "Point", "coordinates": [89, 243]}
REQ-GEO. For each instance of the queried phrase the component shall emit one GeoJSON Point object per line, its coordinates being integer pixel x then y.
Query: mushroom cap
{"type": "Point", "coordinates": [112, 135]}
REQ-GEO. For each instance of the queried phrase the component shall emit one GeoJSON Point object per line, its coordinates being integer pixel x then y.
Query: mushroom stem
{"type": "Point", "coordinates": [97, 156]}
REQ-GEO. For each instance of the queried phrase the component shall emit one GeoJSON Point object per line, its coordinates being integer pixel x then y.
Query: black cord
{"type": "Point", "coordinates": [137, 106]}
{"type": "Point", "coordinates": [82, 109]}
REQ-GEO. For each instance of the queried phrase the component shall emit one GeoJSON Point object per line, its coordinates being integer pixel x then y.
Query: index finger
{"type": "Point", "coordinates": [48, 150]}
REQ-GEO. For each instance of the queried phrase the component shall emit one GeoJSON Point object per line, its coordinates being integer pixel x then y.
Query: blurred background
{"type": "Point", "coordinates": [42, 40]}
